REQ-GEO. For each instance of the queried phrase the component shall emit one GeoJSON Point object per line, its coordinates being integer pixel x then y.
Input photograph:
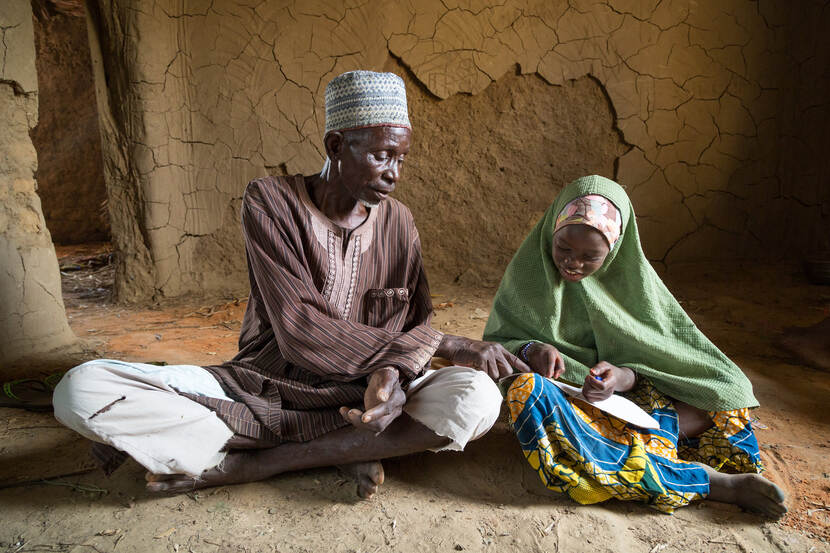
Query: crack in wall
{"type": "Point", "coordinates": [17, 87]}
{"type": "Point", "coordinates": [5, 47]}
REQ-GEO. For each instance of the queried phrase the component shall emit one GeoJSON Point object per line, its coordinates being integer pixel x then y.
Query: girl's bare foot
{"type": "Point", "coordinates": [752, 492]}
{"type": "Point", "coordinates": [369, 476]}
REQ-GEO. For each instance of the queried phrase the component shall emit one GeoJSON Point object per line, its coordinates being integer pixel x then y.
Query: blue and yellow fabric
{"type": "Point", "coordinates": [591, 456]}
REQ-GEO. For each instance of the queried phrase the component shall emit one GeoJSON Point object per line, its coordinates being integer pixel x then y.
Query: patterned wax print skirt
{"type": "Point", "coordinates": [591, 456]}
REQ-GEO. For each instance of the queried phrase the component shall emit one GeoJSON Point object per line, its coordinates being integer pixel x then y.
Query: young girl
{"type": "Point", "coordinates": [580, 300]}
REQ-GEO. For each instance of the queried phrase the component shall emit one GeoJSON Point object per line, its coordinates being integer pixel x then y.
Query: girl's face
{"type": "Point", "coordinates": [578, 251]}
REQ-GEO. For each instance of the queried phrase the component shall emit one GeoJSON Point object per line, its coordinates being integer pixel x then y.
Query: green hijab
{"type": "Point", "coordinates": [622, 314]}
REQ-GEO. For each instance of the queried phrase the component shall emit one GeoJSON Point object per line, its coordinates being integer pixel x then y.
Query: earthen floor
{"type": "Point", "coordinates": [431, 502]}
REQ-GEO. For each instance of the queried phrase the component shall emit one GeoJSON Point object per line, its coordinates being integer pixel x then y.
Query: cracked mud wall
{"type": "Point", "coordinates": [714, 116]}
{"type": "Point", "coordinates": [483, 169]}
{"type": "Point", "coordinates": [32, 317]}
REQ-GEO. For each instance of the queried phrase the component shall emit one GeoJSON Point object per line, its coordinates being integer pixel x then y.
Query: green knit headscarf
{"type": "Point", "coordinates": [622, 314]}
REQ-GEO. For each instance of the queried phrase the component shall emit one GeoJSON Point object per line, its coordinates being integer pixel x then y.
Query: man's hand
{"type": "Point", "coordinates": [489, 357]}
{"type": "Point", "coordinates": [383, 402]}
{"type": "Point", "coordinates": [604, 379]}
{"type": "Point", "coordinates": [545, 359]}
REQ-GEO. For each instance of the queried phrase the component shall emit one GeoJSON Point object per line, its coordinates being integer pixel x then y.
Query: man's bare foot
{"type": "Point", "coordinates": [811, 345]}
{"type": "Point", "coordinates": [753, 492]}
{"type": "Point", "coordinates": [231, 471]}
{"type": "Point", "coordinates": [369, 476]}
{"type": "Point", "coordinates": [172, 484]}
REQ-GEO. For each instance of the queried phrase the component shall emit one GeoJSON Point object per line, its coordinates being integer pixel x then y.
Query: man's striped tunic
{"type": "Point", "coordinates": [328, 306]}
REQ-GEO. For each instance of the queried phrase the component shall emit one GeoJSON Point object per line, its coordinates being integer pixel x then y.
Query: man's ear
{"type": "Point", "coordinates": [334, 143]}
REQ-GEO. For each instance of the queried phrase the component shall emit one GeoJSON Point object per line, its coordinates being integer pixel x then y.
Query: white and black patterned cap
{"type": "Point", "coordinates": [360, 99]}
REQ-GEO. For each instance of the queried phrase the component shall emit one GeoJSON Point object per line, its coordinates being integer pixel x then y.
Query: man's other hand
{"type": "Point", "coordinates": [489, 357]}
{"type": "Point", "coordinates": [383, 402]}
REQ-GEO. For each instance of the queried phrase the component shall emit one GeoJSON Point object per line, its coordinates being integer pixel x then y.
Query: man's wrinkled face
{"type": "Point", "coordinates": [578, 251]}
{"type": "Point", "coordinates": [371, 160]}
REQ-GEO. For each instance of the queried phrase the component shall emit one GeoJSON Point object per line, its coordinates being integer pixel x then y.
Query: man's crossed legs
{"type": "Point", "coordinates": [137, 408]}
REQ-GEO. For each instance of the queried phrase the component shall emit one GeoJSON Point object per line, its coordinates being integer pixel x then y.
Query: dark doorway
{"type": "Point", "coordinates": [70, 173]}
{"type": "Point", "coordinates": [67, 138]}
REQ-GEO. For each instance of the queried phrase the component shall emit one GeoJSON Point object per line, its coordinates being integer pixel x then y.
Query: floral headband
{"type": "Point", "coordinates": [595, 211]}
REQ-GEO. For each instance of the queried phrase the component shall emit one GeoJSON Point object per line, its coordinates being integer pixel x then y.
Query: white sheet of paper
{"type": "Point", "coordinates": [615, 405]}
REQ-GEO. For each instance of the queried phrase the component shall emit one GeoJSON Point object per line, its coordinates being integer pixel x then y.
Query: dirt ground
{"type": "Point", "coordinates": [53, 500]}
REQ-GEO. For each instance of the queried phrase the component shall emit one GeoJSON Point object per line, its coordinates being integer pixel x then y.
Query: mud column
{"type": "Point", "coordinates": [32, 318]}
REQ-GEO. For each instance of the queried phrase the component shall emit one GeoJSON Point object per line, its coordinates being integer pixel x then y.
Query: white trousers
{"type": "Point", "coordinates": [137, 408]}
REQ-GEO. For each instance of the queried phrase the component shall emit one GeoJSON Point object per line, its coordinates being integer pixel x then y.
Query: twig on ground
{"type": "Point", "coordinates": [38, 426]}
{"type": "Point", "coordinates": [166, 534]}
{"type": "Point", "coordinates": [60, 546]}
{"type": "Point", "coordinates": [549, 528]}
{"type": "Point", "coordinates": [77, 487]}
{"type": "Point", "coordinates": [40, 480]}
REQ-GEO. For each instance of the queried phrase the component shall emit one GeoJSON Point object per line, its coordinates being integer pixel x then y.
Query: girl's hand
{"type": "Point", "coordinates": [605, 379]}
{"type": "Point", "coordinates": [545, 359]}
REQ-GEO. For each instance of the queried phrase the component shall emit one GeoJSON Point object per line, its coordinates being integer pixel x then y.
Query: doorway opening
{"type": "Point", "coordinates": [67, 138]}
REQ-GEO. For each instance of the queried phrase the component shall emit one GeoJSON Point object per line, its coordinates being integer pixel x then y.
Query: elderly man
{"type": "Point", "coordinates": [335, 340]}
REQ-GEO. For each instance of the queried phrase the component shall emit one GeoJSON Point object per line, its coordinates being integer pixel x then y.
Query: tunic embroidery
{"type": "Point", "coordinates": [331, 246]}
{"type": "Point", "coordinates": [353, 280]}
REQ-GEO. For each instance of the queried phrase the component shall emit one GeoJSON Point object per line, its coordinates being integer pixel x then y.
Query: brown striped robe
{"type": "Point", "coordinates": [327, 308]}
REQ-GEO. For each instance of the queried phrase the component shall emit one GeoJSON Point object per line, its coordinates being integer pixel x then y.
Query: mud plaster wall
{"type": "Point", "coordinates": [32, 318]}
{"type": "Point", "coordinates": [70, 172]}
{"type": "Point", "coordinates": [483, 168]}
{"type": "Point", "coordinates": [712, 114]}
